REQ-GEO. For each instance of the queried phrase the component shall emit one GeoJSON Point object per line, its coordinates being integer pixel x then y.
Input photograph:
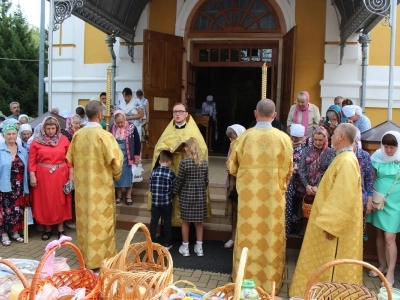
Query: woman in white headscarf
{"type": "Point", "coordinates": [386, 163]}
{"type": "Point", "coordinates": [354, 115]}
{"type": "Point", "coordinates": [25, 132]}
{"type": "Point", "coordinates": [232, 132]}
{"type": "Point", "coordinates": [294, 215]}
{"type": "Point", "coordinates": [23, 119]}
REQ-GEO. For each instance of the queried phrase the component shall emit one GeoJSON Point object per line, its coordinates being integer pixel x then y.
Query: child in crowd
{"type": "Point", "coordinates": [191, 186]}
{"type": "Point", "coordinates": [161, 184]}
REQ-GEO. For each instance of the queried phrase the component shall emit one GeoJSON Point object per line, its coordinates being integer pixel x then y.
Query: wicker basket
{"type": "Point", "coordinates": [79, 278]}
{"type": "Point", "coordinates": [338, 291]}
{"type": "Point", "coordinates": [140, 271]}
{"type": "Point", "coordinates": [232, 291]}
{"type": "Point", "coordinates": [190, 287]}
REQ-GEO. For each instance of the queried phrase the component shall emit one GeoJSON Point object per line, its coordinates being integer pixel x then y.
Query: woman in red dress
{"type": "Point", "coordinates": [49, 172]}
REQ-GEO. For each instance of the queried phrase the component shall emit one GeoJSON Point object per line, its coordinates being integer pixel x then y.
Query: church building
{"type": "Point", "coordinates": [185, 50]}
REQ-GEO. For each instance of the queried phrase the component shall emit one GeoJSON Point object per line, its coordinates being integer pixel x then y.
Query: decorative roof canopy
{"type": "Point", "coordinates": [360, 15]}
{"type": "Point", "coordinates": [113, 17]}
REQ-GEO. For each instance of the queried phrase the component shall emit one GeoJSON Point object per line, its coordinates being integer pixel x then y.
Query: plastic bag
{"type": "Point", "coordinates": [137, 171]}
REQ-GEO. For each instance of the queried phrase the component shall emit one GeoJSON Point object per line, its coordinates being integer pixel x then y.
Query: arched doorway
{"type": "Point", "coordinates": [228, 41]}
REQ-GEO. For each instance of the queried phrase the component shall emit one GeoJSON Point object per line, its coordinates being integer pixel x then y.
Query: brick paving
{"type": "Point", "coordinates": [205, 281]}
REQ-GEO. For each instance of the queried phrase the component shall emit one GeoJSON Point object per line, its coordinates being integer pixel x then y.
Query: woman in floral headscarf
{"type": "Point", "coordinates": [128, 140]}
{"type": "Point", "coordinates": [49, 172]}
{"type": "Point", "coordinates": [13, 186]}
{"type": "Point", "coordinates": [314, 161]}
{"type": "Point", "coordinates": [304, 113]}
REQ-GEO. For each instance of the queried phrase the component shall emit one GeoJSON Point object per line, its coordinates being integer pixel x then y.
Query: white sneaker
{"type": "Point", "coordinates": [198, 250]}
{"type": "Point", "coordinates": [184, 250]}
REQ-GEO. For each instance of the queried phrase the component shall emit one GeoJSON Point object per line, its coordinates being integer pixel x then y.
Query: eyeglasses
{"type": "Point", "coordinates": [179, 112]}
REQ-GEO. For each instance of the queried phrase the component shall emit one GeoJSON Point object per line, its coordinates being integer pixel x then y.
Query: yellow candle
{"type": "Point", "coordinates": [16, 289]}
{"type": "Point", "coordinates": [108, 97]}
{"type": "Point", "coordinates": [264, 81]}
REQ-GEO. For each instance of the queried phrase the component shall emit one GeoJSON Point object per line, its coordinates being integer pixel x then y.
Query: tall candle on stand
{"type": "Point", "coordinates": [264, 81]}
{"type": "Point", "coordinates": [108, 97]}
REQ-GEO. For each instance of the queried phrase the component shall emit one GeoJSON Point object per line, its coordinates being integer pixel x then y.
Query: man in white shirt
{"type": "Point", "coordinates": [132, 108]}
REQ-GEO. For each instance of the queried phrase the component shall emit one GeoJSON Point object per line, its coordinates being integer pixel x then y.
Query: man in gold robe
{"type": "Point", "coordinates": [262, 162]}
{"type": "Point", "coordinates": [179, 130]}
{"type": "Point", "coordinates": [97, 161]}
{"type": "Point", "coordinates": [334, 230]}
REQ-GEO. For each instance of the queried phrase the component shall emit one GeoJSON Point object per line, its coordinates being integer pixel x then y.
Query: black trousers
{"type": "Point", "coordinates": [166, 213]}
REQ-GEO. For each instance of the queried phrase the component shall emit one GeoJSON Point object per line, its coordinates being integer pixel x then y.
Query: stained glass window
{"type": "Point", "coordinates": [237, 15]}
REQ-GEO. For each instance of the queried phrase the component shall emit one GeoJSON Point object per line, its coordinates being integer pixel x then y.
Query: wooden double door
{"type": "Point", "coordinates": [163, 85]}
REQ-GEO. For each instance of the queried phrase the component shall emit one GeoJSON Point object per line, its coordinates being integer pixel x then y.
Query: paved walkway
{"type": "Point", "coordinates": [205, 281]}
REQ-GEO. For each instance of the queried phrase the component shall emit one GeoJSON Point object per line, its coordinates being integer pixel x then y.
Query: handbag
{"type": "Point", "coordinates": [379, 199]}
{"type": "Point", "coordinates": [68, 187]}
{"type": "Point", "coordinates": [233, 195]}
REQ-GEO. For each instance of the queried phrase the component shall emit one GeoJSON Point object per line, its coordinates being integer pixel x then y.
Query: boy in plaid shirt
{"type": "Point", "coordinates": [161, 183]}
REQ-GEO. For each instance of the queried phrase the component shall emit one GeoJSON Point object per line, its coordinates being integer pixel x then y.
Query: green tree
{"type": "Point", "coordinates": [19, 65]}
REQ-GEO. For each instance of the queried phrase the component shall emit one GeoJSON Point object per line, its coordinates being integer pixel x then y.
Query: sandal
{"type": "Point", "coordinates": [61, 233]}
{"type": "Point", "coordinates": [229, 244]}
{"type": "Point", "coordinates": [129, 201]}
{"type": "Point", "coordinates": [46, 235]}
{"type": "Point", "coordinates": [5, 241]}
{"type": "Point", "coordinates": [373, 274]}
{"type": "Point", "coordinates": [118, 201]}
{"type": "Point", "coordinates": [17, 238]}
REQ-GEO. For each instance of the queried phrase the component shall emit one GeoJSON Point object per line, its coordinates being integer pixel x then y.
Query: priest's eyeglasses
{"type": "Point", "coordinates": [179, 112]}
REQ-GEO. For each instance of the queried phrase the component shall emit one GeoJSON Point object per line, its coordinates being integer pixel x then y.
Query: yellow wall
{"type": "Point", "coordinates": [96, 50]}
{"type": "Point", "coordinates": [162, 16]}
{"type": "Point", "coordinates": [379, 115]}
{"type": "Point", "coordinates": [310, 48]}
{"type": "Point", "coordinates": [380, 44]}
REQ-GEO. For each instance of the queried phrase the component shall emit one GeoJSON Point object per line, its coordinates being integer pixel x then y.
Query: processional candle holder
{"type": "Point", "coordinates": [264, 69]}
{"type": "Point", "coordinates": [108, 98]}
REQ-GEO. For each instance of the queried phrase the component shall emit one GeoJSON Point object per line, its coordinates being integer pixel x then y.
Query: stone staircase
{"type": "Point", "coordinates": [217, 227]}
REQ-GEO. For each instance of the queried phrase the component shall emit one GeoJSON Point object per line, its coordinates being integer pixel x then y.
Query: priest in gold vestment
{"type": "Point", "coordinates": [97, 161]}
{"type": "Point", "coordinates": [262, 162]}
{"type": "Point", "coordinates": [179, 130]}
{"type": "Point", "coordinates": [334, 230]}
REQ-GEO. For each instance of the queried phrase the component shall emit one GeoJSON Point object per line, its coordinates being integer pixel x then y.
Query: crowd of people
{"type": "Point", "coordinates": [272, 177]}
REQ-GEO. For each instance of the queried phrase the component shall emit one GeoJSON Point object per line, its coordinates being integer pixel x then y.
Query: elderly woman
{"type": "Point", "coordinates": [232, 132]}
{"type": "Point", "coordinates": [304, 113]}
{"type": "Point", "coordinates": [354, 115]}
{"type": "Point", "coordinates": [314, 161]}
{"type": "Point", "coordinates": [333, 118]}
{"type": "Point", "coordinates": [23, 119]}
{"type": "Point", "coordinates": [13, 186]}
{"type": "Point", "coordinates": [49, 172]}
{"type": "Point", "coordinates": [386, 163]}
{"type": "Point", "coordinates": [128, 140]}
{"type": "Point", "coordinates": [72, 125]}
{"type": "Point", "coordinates": [293, 216]}
{"type": "Point", "coordinates": [25, 132]}
{"type": "Point", "coordinates": [30, 140]}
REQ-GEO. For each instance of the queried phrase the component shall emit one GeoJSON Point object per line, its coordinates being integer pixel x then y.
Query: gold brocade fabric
{"type": "Point", "coordinates": [170, 137]}
{"type": "Point", "coordinates": [338, 210]}
{"type": "Point", "coordinates": [262, 162]}
{"type": "Point", "coordinates": [97, 161]}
